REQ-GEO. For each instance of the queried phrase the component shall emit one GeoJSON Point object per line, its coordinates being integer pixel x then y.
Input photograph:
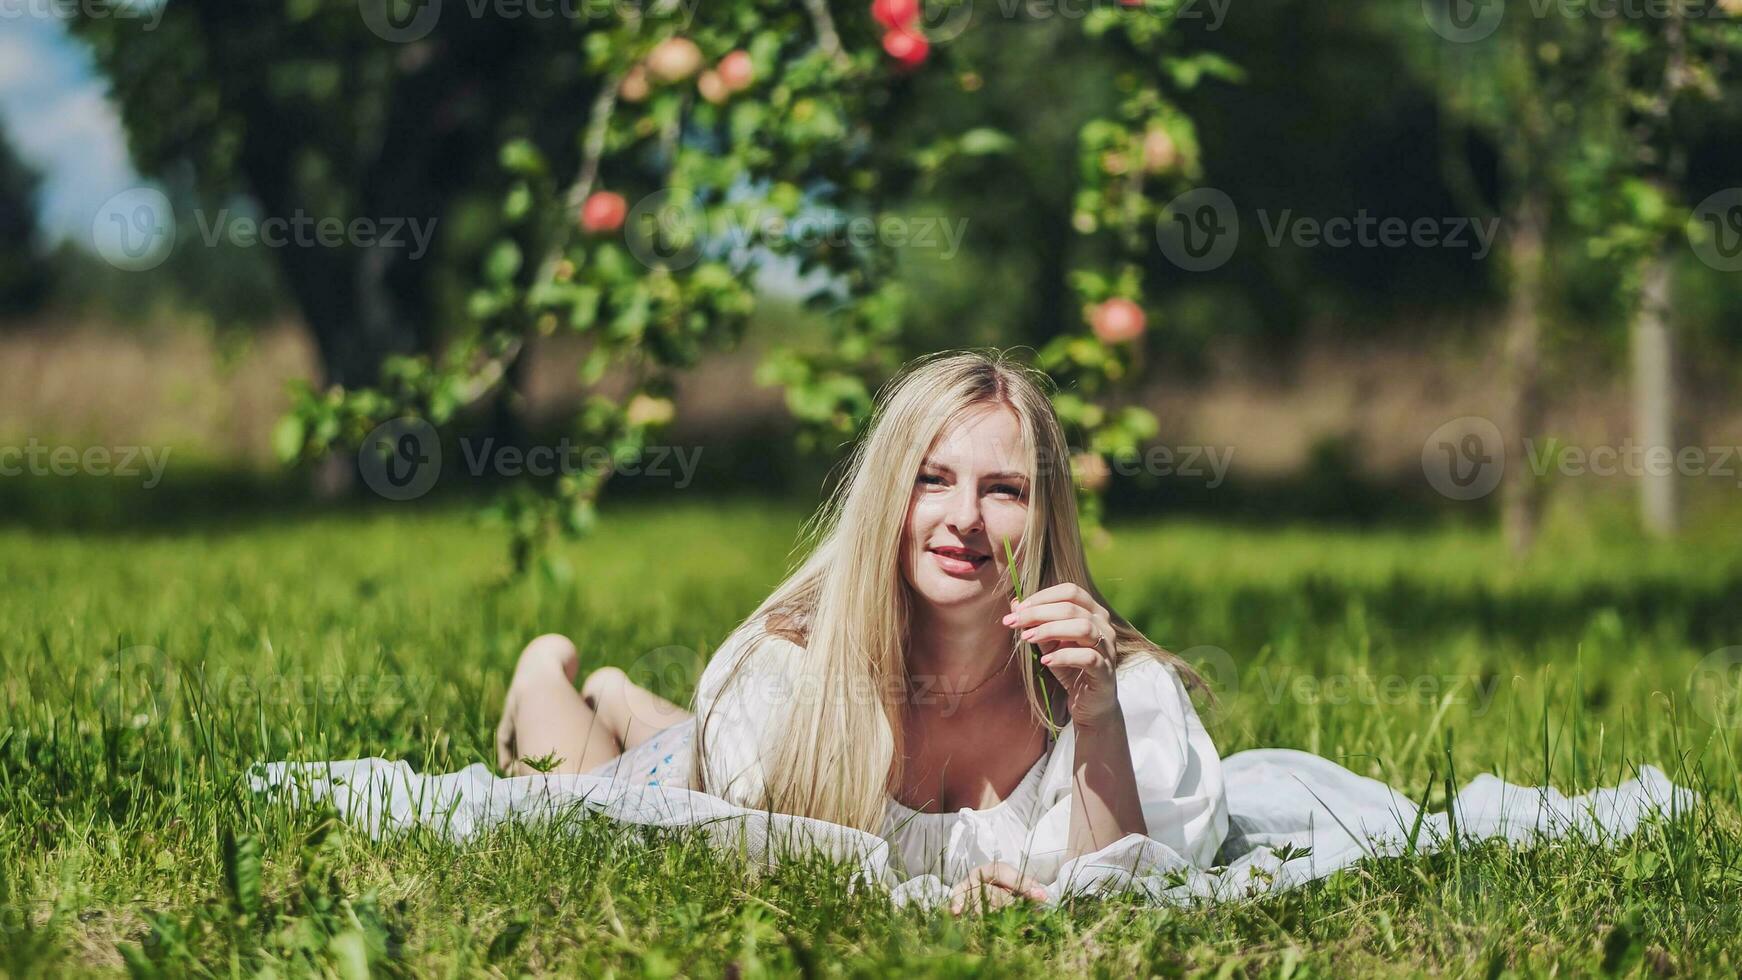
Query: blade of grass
{"type": "Point", "coordinates": [1016, 588]}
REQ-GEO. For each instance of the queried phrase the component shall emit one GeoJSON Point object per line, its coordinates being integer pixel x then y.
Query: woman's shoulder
{"type": "Point", "coordinates": [1151, 672]}
{"type": "Point", "coordinates": [755, 647]}
{"type": "Point", "coordinates": [1154, 686]}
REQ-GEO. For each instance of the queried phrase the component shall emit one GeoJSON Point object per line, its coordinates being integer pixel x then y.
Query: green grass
{"type": "Point", "coordinates": [127, 835]}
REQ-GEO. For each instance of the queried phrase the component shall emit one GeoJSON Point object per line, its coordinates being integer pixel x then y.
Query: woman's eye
{"type": "Point", "coordinates": [1007, 490]}
{"type": "Point", "coordinates": [931, 479]}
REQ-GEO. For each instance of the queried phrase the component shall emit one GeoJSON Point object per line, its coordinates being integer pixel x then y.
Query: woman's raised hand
{"type": "Point", "coordinates": [1075, 637]}
{"type": "Point", "coordinates": [993, 886]}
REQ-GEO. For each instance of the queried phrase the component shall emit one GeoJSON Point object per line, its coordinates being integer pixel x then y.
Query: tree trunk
{"type": "Point", "coordinates": [1520, 503]}
{"type": "Point", "coordinates": [1654, 397]}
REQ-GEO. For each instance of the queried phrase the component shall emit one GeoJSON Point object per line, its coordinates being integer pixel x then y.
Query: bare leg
{"type": "Point", "coordinates": [544, 716]}
{"type": "Point", "coordinates": [631, 713]}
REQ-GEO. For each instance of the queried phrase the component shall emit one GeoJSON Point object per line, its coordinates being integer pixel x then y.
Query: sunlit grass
{"type": "Point", "coordinates": [142, 674]}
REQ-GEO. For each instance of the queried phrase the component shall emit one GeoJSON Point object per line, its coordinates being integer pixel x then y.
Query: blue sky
{"type": "Point", "coordinates": [55, 109]}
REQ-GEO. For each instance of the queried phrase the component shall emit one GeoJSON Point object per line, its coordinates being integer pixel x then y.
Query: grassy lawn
{"type": "Point", "coordinates": [128, 838]}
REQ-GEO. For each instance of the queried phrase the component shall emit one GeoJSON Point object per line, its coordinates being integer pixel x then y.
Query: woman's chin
{"type": "Point", "coordinates": [949, 593]}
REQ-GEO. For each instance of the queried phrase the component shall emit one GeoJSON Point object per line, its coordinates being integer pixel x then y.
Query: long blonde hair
{"type": "Point", "coordinates": [848, 606]}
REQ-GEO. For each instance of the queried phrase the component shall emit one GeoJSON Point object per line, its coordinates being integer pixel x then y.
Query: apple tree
{"type": "Point", "coordinates": [709, 134]}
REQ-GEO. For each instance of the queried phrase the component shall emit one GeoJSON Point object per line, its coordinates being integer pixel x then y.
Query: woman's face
{"type": "Point", "coordinates": [970, 494]}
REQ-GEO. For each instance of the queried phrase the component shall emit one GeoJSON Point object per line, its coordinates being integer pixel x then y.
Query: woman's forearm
{"type": "Point", "coordinates": [1104, 801]}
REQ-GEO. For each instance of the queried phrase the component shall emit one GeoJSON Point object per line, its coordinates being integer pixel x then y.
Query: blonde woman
{"type": "Point", "coordinates": [888, 683]}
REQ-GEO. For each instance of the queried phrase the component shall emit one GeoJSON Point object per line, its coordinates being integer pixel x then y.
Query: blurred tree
{"type": "Point", "coordinates": [25, 272]}
{"type": "Point", "coordinates": [1661, 69]}
{"type": "Point", "coordinates": [312, 114]}
{"type": "Point", "coordinates": [721, 138]}
{"type": "Point", "coordinates": [324, 109]}
{"type": "Point", "coordinates": [1588, 107]}
{"type": "Point", "coordinates": [1519, 79]}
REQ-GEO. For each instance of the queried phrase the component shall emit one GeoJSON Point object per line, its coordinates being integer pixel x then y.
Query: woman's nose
{"type": "Point", "coordinates": [964, 514]}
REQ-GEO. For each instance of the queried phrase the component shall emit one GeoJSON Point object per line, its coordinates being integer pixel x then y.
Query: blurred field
{"type": "Point", "coordinates": [391, 632]}
{"type": "Point", "coordinates": [214, 396]}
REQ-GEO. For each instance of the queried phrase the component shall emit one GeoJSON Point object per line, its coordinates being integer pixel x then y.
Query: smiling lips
{"type": "Point", "coordinates": [960, 561]}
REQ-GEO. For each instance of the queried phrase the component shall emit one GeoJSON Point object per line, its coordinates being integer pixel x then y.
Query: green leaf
{"type": "Point", "coordinates": [521, 157]}
{"type": "Point", "coordinates": [508, 938]}
{"type": "Point", "coordinates": [288, 437]}
{"type": "Point", "coordinates": [518, 202]}
{"type": "Point", "coordinates": [242, 872]}
{"type": "Point", "coordinates": [503, 263]}
{"type": "Point", "coordinates": [985, 142]}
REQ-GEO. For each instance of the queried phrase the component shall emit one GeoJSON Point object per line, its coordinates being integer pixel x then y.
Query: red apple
{"type": "Point", "coordinates": [1117, 320]}
{"type": "Point", "coordinates": [1091, 471]}
{"type": "Point", "coordinates": [603, 212]}
{"type": "Point", "coordinates": [634, 86]}
{"type": "Point", "coordinates": [907, 47]}
{"type": "Point", "coordinates": [737, 70]}
{"type": "Point", "coordinates": [712, 87]}
{"type": "Point", "coordinates": [1159, 151]}
{"type": "Point", "coordinates": [674, 59]}
{"type": "Point", "coordinates": [895, 14]}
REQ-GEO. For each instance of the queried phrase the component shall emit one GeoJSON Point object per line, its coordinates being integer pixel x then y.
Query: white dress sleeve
{"type": "Point", "coordinates": [739, 711]}
{"type": "Point", "coordinates": [1179, 774]}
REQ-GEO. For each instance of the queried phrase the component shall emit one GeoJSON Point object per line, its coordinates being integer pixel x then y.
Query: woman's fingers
{"type": "Point", "coordinates": [1080, 658]}
{"type": "Point", "coordinates": [1066, 592]}
{"type": "Point", "coordinates": [1030, 614]}
{"type": "Point", "coordinates": [994, 885]}
{"type": "Point", "coordinates": [1078, 631]}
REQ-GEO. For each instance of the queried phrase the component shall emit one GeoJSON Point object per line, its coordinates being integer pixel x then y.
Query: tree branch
{"type": "Point", "coordinates": [827, 38]}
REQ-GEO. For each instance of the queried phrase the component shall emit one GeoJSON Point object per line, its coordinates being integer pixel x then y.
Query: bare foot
{"type": "Point", "coordinates": [544, 660]}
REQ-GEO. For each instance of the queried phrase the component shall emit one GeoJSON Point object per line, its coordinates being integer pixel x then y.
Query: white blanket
{"type": "Point", "coordinates": [1293, 817]}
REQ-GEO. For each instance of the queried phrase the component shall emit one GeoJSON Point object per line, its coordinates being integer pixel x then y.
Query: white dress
{"type": "Point", "coordinates": [1179, 775]}
{"type": "Point", "coordinates": [1286, 818]}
